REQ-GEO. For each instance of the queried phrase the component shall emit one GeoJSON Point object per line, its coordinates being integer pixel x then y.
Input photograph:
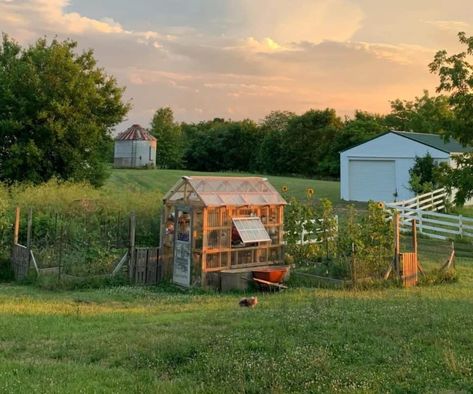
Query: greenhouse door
{"type": "Point", "coordinates": [182, 248]}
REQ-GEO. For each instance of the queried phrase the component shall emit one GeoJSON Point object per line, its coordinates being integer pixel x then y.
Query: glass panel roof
{"type": "Point", "coordinates": [218, 191]}
{"type": "Point", "coordinates": [251, 229]}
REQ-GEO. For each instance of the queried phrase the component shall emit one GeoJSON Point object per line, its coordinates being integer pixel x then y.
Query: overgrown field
{"type": "Point", "coordinates": [135, 340]}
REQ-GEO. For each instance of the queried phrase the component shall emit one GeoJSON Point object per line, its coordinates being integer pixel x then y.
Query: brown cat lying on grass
{"type": "Point", "coordinates": [248, 302]}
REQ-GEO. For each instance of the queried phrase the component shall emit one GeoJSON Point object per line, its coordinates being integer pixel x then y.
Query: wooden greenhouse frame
{"type": "Point", "coordinates": [211, 224]}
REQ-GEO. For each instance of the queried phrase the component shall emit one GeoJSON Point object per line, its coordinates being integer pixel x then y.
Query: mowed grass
{"type": "Point", "coordinates": [135, 340]}
{"type": "Point", "coordinates": [163, 180]}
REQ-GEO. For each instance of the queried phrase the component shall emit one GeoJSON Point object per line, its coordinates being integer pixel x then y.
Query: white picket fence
{"type": "Point", "coordinates": [311, 237]}
{"type": "Point", "coordinates": [435, 224]}
{"type": "Point", "coordinates": [432, 201]}
{"type": "Point", "coordinates": [423, 209]}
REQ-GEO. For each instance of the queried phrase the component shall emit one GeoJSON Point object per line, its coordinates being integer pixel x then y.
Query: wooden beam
{"type": "Point", "coordinates": [414, 236]}
{"type": "Point", "coordinates": [204, 246]}
{"type": "Point", "coordinates": [396, 243]}
{"type": "Point", "coordinates": [132, 252]}
{"type": "Point", "coordinates": [16, 230]}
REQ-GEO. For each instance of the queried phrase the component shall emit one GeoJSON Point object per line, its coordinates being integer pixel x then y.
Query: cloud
{"type": "Point", "coordinates": [251, 44]}
{"type": "Point", "coordinates": [302, 20]}
{"type": "Point", "coordinates": [288, 55]}
{"type": "Point", "coordinates": [450, 25]}
{"type": "Point", "coordinates": [49, 16]}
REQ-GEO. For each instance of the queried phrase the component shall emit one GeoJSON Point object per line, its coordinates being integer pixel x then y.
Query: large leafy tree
{"type": "Point", "coordinates": [56, 112]}
{"type": "Point", "coordinates": [169, 151]}
{"type": "Point", "coordinates": [456, 80]}
{"type": "Point", "coordinates": [308, 143]}
{"type": "Point", "coordinates": [271, 152]}
{"type": "Point", "coordinates": [425, 114]}
{"type": "Point", "coordinates": [221, 145]}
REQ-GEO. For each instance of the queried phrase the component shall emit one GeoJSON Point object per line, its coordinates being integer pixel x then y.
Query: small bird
{"type": "Point", "coordinates": [248, 302]}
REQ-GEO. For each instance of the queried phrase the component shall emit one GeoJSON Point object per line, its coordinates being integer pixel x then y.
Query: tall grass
{"type": "Point", "coordinates": [80, 220]}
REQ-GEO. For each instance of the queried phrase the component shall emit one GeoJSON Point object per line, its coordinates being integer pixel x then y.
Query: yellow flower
{"type": "Point", "coordinates": [380, 205]}
{"type": "Point", "coordinates": [284, 189]}
{"type": "Point", "coordinates": [310, 192]}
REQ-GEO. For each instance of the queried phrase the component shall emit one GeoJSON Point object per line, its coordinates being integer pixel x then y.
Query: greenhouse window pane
{"type": "Point", "coordinates": [251, 229]}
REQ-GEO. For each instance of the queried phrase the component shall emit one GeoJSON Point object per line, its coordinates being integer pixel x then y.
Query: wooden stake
{"type": "Point", "coordinates": [28, 234]}
{"type": "Point", "coordinates": [353, 264]}
{"type": "Point", "coordinates": [396, 244]}
{"type": "Point", "coordinates": [414, 236]}
{"type": "Point", "coordinates": [17, 226]}
{"type": "Point", "coordinates": [131, 264]}
{"type": "Point", "coordinates": [29, 228]}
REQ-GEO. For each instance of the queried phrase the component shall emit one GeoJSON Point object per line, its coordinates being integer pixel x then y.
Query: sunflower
{"type": "Point", "coordinates": [310, 192]}
{"type": "Point", "coordinates": [380, 205]}
{"type": "Point", "coordinates": [284, 189]}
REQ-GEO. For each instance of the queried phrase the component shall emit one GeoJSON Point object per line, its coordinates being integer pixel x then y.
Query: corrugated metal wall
{"type": "Point", "coordinates": [134, 154]}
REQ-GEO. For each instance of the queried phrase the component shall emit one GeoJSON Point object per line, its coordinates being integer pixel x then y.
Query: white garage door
{"type": "Point", "coordinates": [372, 180]}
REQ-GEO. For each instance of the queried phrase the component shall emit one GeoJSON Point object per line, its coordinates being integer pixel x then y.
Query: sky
{"type": "Point", "coordinates": [245, 58]}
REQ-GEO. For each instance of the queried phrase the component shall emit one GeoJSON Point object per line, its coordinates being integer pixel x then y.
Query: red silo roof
{"type": "Point", "coordinates": [135, 133]}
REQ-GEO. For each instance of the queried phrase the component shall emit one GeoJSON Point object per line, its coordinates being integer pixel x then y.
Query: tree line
{"type": "Point", "coordinates": [58, 108]}
{"type": "Point", "coordinates": [285, 143]}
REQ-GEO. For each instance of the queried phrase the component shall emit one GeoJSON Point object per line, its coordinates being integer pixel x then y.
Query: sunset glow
{"type": "Point", "coordinates": [244, 58]}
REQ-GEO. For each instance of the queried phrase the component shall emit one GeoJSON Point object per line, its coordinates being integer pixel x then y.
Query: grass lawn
{"type": "Point", "coordinates": [163, 180]}
{"type": "Point", "coordinates": [135, 340]}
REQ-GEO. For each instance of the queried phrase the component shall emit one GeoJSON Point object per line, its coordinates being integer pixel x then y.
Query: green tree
{"type": "Point", "coordinates": [271, 152]}
{"type": "Point", "coordinates": [426, 114]}
{"type": "Point", "coordinates": [424, 175]}
{"type": "Point", "coordinates": [456, 79]}
{"type": "Point", "coordinates": [56, 112]}
{"type": "Point", "coordinates": [169, 150]}
{"type": "Point", "coordinates": [220, 145]}
{"type": "Point", "coordinates": [307, 143]}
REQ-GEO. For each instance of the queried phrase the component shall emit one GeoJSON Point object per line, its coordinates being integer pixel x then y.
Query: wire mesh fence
{"type": "Point", "coordinates": [83, 243]}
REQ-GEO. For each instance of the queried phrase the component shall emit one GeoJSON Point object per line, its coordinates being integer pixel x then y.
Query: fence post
{"type": "Point", "coordinates": [28, 233]}
{"type": "Point", "coordinates": [396, 242]}
{"type": "Point", "coordinates": [353, 265]}
{"type": "Point", "coordinates": [61, 241]}
{"type": "Point", "coordinates": [414, 236]}
{"type": "Point", "coordinates": [16, 230]}
{"type": "Point", "coordinates": [460, 225]}
{"type": "Point", "coordinates": [417, 202]}
{"type": "Point", "coordinates": [131, 264]}
{"type": "Point", "coordinates": [419, 214]}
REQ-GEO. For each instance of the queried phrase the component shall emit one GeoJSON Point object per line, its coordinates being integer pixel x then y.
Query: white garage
{"type": "Point", "coordinates": [378, 169]}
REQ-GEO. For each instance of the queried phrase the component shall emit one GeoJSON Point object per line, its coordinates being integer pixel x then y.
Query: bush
{"type": "Point", "coordinates": [361, 247]}
{"type": "Point", "coordinates": [438, 276]}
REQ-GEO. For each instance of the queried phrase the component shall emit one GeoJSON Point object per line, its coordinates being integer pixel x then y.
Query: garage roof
{"type": "Point", "coordinates": [436, 141]}
{"type": "Point", "coordinates": [433, 140]}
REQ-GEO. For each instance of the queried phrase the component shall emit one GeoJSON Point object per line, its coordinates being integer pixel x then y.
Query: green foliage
{"type": "Point", "coordinates": [424, 175]}
{"type": "Point", "coordinates": [459, 178]}
{"type": "Point", "coordinates": [438, 277]}
{"type": "Point", "coordinates": [80, 227]}
{"type": "Point", "coordinates": [360, 247]}
{"type": "Point", "coordinates": [56, 112]}
{"type": "Point", "coordinates": [426, 114]}
{"type": "Point", "coordinates": [271, 152]}
{"type": "Point", "coordinates": [456, 79]}
{"type": "Point", "coordinates": [222, 145]}
{"type": "Point", "coordinates": [374, 251]}
{"type": "Point", "coordinates": [169, 150]}
{"type": "Point", "coordinates": [308, 141]}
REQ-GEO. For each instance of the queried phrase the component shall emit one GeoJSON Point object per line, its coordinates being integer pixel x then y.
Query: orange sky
{"type": "Point", "coordinates": [243, 58]}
